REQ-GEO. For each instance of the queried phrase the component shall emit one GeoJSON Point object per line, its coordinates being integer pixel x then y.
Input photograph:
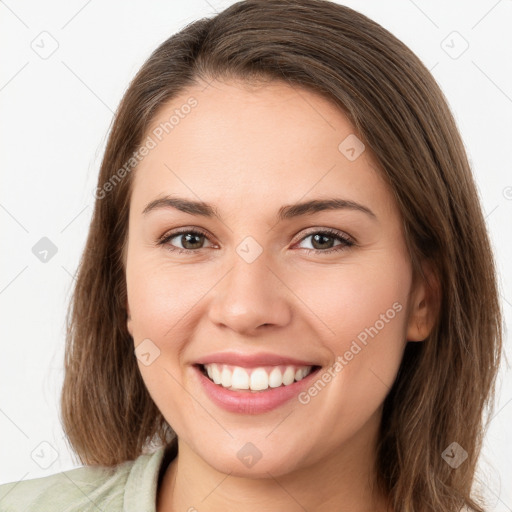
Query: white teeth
{"type": "Point", "coordinates": [288, 375]}
{"type": "Point", "coordinates": [215, 374]}
{"type": "Point", "coordinates": [240, 378]}
{"type": "Point", "coordinates": [259, 379]}
{"type": "Point", "coordinates": [225, 378]}
{"type": "Point", "coordinates": [275, 379]}
{"type": "Point", "coordinates": [255, 379]}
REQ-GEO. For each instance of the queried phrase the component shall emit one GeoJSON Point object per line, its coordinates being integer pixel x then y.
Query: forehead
{"type": "Point", "coordinates": [243, 144]}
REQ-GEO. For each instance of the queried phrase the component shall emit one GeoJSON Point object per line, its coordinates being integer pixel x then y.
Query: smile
{"type": "Point", "coordinates": [260, 378]}
{"type": "Point", "coordinates": [253, 401]}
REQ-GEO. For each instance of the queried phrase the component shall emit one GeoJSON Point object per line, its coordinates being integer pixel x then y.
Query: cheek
{"type": "Point", "coordinates": [166, 308]}
{"type": "Point", "coordinates": [371, 300]}
{"type": "Point", "coordinates": [164, 301]}
{"type": "Point", "coordinates": [365, 305]}
{"type": "Point", "coordinates": [360, 309]}
{"type": "Point", "coordinates": [162, 297]}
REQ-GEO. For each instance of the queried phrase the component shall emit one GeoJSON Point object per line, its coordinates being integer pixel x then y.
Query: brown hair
{"type": "Point", "coordinates": [398, 110]}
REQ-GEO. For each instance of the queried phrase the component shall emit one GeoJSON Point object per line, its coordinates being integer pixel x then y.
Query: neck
{"type": "Point", "coordinates": [344, 481]}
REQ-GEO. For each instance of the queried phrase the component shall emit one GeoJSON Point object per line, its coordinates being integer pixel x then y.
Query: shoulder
{"type": "Point", "coordinates": [88, 488]}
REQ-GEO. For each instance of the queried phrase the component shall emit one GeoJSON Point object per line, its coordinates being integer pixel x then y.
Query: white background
{"type": "Point", "coordinates": [55, 115]}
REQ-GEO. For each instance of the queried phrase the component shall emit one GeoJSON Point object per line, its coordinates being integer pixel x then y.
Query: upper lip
{"type": "Point", "coordinates": [252, 360]}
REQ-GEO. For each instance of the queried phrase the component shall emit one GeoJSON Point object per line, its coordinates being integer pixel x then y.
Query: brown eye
{"type": "Point", "coordinates": [321, 241]}
{"type": "Point", "coordinates": [190, 240]}
{"type": "Point", "coordinates": [324, 241]}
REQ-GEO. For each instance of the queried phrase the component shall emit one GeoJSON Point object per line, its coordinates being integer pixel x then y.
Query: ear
{"type": "Point", "coordinates": [424, 305]}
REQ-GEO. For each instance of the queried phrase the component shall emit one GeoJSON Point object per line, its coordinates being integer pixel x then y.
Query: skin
{"type": "Point", "coordinates": [250, 150]}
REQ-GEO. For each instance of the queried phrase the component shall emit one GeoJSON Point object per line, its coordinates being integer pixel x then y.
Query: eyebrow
{"type": "Point", "coordinates": [285, 212]}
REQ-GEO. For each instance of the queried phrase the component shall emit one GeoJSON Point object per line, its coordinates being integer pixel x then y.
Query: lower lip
{"type": "Point", "coordinates": [248, 402]}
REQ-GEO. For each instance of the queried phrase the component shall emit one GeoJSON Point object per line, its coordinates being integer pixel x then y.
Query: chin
{"type": "Point", "coordinates": [248, 463]}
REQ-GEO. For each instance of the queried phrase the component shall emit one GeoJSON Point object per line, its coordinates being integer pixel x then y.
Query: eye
{"type": "Point", "coordinates": [189, 238]}
{"type": "Point", "coordinates": [322, 240]}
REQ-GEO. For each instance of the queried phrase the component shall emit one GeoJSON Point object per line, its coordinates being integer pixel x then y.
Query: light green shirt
{"type": "Point", "coordinates": [128, 487]}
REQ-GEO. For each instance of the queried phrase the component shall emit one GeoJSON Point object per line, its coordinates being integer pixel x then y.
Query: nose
{"type": "Point", "coordinates": [250, 298]}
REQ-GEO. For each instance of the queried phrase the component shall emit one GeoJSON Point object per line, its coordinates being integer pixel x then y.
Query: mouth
{"type": "Point", "coordinates": [256, 380]}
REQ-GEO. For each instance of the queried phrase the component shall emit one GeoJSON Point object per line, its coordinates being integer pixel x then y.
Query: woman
{"type": "Point", "coordinates": [276, 305]}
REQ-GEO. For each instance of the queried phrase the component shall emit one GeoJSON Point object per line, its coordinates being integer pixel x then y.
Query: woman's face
{"type": "Point", "coordinates": [260, 275]}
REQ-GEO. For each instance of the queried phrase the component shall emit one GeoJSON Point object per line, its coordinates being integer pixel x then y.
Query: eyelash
{"type": "Point", "coordinates": [346, 242]}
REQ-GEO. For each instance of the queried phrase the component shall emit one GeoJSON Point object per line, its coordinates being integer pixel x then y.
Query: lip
{"type": "Point", "coordinates": [249, 402]}
{"type": "Point", "coordinates": [253, 360]}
